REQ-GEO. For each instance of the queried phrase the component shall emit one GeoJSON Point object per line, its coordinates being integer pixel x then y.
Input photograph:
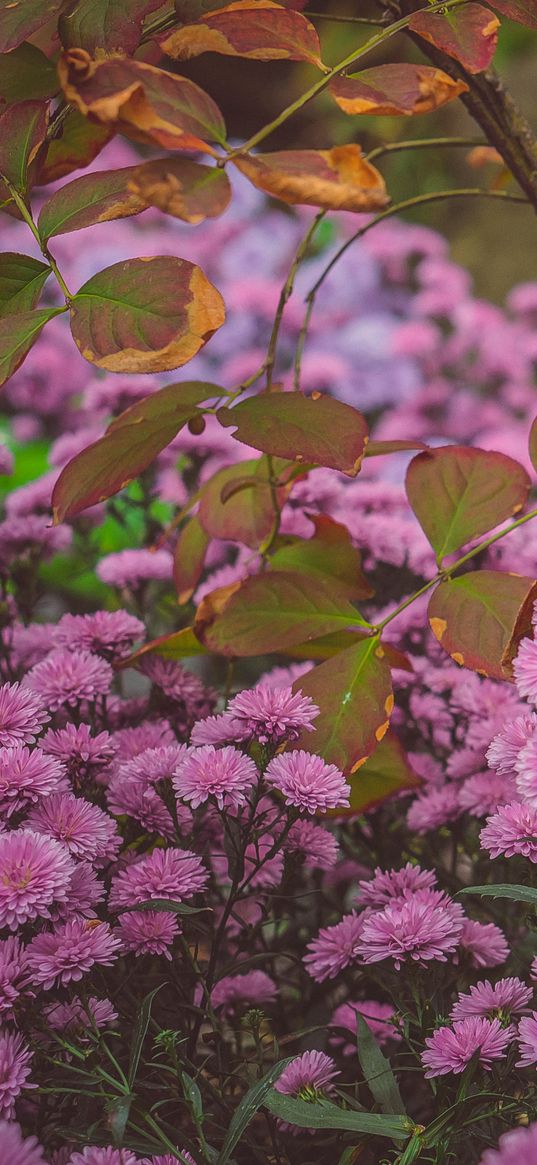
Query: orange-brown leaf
{"type": "Point", "coordinates": [182, 188]}
{"type": "Point", "coordinates": [257, 29]}
{"type": "Point", "coordinates": [394, 90]}
{"type": "Point", "coordinates": [336, 179]}
{"type": "Point", "coordinates": [480, 617]}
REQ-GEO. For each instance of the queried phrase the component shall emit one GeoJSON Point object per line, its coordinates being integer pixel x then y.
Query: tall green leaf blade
{"type": "Point", "coordinates": [516, 893]}
{"type": "Point", "coordinates": [377, 1070]}
{"type": "Point", "coordinates": [249, 1105]}
{"type": "Point", "coordinates": [329, 1116]}
{"type": "Point", "coordinates": [139, 1034]}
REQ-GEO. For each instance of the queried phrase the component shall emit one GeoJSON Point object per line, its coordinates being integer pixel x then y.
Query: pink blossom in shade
{"type": "Point", "coordinates": [86, 830]}
{"type": "Point", "coordinates": [483, 943]}
{"type": "Point", "coordinates": [335, 948]}
{"type": "Point", "coordinates": [139, 800]}
{"type": "Point", "coordinates": [14, 1071]}
{"type": "Point", "coordinates": [67, 677]}
{"type": "Point", "coordinates": [498, 1000]}
{"type": "Point", "coordinates": [517, 1147]}
{"type": "Point", "coordinates": [285, 677]}
{"type": "Point", "coordinates": [96, 1155]}
{"type": "Point", "coordinates": [111, 634]}
{"type": "Point", "coordinates": [35, 873]}
{"type": "Point", "coordinates": [315, 844]}
{"type": "Point", "coordinates": [31, 537]}
{"type": "Point", "coordinates": [450, 1049]}
{"type": "Point", "coordinates": [129, 742]}
{"type": "Point", "coordinates": [505, 747]}
{"type": "Point", "coordinates": [308, 1077]}
{"type": "Point", "coordinates": [172, 873]}
{"type": "Point", "coordinates": [252, 988]}
{"type": "Point", "coordinates": [410, 930]}
{"type": "Point", "coordinates": [510, 831]}
{"type": "Point", "coordinates": [67, 953]}
{"type": "Point", "coordinates": [31, 643]}
{"type": "Point", "coordinates": [26, 776]}
{"type": "Point", "coordinates": [485, 792]}
{"type": "Point", "coordinates": [78, 1015]}
{"type": "Point", "coordinates": [272, 715]}
{"type": "Point", "coordinates": [22, 715]}
{"type": "Point", "coordinates": [84, 893]}
{"type": "Point", "coordinates": [526, 773]}
{"type": "Point", "coordinates": [308, 782]}
{"type": "Point", "coordinates": [180, 686]}
{"type": "Point", "coordinates": [223, 773]}
{"type": "Point", "coordinates": [525, 670]}
{"type": "Point", "coordinates": [84, 755]}
{"type": "Point", "coordinates": [218, 729]}
{"type": "Point", "coordinates": [385, 885]}
{"type": "Point", "coordinates": [167, 1159]}
{"type": "Point", "coordinates": [379, 1017]}
{"type": "Point", "coordinates": [13, 974]}
{"type": "Point", "coordinates": [149, 933]}
{"type": "Point", "coordinates": [527, 1037]}
{"type": "Point", "coordinates": [16, 1149]}
{"type": "Point", "coordinates": [129, 568]}
{"type": "Point", "coordinates": [433, 809]}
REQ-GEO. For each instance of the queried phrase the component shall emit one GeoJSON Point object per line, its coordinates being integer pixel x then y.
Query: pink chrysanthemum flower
{"type": "Point", "coordinates": [272, 715]}
{"type": "Point", "coordinates": [79, 1016]}
{"type": "Point", "coordinates": [411, 929]}
{"type": "Point", "coordinates": [86, 830]}
{"type": "Point", "coordinates": [334, 948]}
{"type": "Point", "coordinates": [379, 1017]}
{"type": "Point", "coordinates": [512, 830]}
{"type": "Point", "coordinates": [111, 634]}
{"type": "Point", "coordinates": [129, 568]}
{"type": "Point", "coordinates": [484, 792]}
{"type": "Point", "coordinates": [149, 932]}
{"type": "Point", "coordinates": [315, 844]}
{"type": "Point", "coordinates": [483, 943]}
{"type": "Point", "coordinates": [95, 1155]}
{"type": "Point", "coordinates": [308, 1077]}
{"type": "Point", "coordinates": [180, 687]}
{"type": "Point", "coordinates": [140, 800]}
{"type": "Point", "coordinates": [527, 1035]}
{"type": "Point", "coordinates": [67, 953]}
{"type": "Point", "coordinates": [130, 742]}
{"type": "Point", "coordinates": [493, 1001]}
{"type": "Point", "coordinates": [16, 1149]}
{"type": "Point", "coordinates": [13, 974]}
{"type": "Point", "coordinates": [525, 670]}
{"type": "Point", "coordinates": [505, 747]}
{"type": "Point", "coordinates": [517, 1147]}
{"type": "Point", "coordinates": [14, 1071]}
{"type": "Point", "coordinates": [254, 988]}
{"type": "Point", "coordinates": [171, 873]}
{"type": "Point", "coordinates": [433, 809]}
{"type": "Point", "coordinates": [307, 781]}
{"type": "Point", "coordinates": [385, 885]}
{"type": "Point", "coordinates": [26, 776]}
{"type": "Point", "coordinates": [85, 756]}
{"type": "Point", "coordinates": [22, 715]}
{"type": "Point", "coordinates": [167, 1159]}
{"type": "Point", "coordinates": [219, 729]}
{"type": "Point", "coordinates": [67, 677]}
{"type": "Point", "coordinates": [526, 773]}
{"type": "Point", "coordinates": [451, 1049]}
{"type": "Point", "coordinates": [35, 872]}
{"type": "Point", "coordinates": [84, 893]}
{"type": "Point", "coordinates": [223, 773]}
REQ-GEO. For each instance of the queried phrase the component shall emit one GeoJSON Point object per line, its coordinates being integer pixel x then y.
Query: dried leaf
{"type": "Point", "coordinates": [392, 90]}
{"type": "Point", "coordinates": [469, 34]}
{"type": "Point", "coordinates": [21, 281]}
{"type": "Point", "coordinates": [479, 617]}
{"type": "Point", "coordinates": [22, 133]}
{"type": "Point", "coordinates": [257, 29]}
{"type": "Point", "coordinates": [337, 179]}
{"type": "Point", "coordinates": [112, 25]}
{"type": "Point", "coordinates": [182, 188]}
{"type": "Point", "coordinates": [19, 19]}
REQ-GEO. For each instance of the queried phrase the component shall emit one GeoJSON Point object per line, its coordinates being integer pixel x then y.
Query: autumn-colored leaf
{"type": "Point", "coordinates": [75, 144]}
{"type": "Point", "coordinates": [315, 429]}
{"type": "Point", "coordinates": [479, 617]}
{"type": "Point", "coordinates": [392, 90]}
{"type": "Point", "coordinates": [145, 315]}
{"type": "Point", "coordinates": [386, 773]}
{"type": "Point", "coordinates": [181, 188]}
{"type": "Point", "coordinates": [243, 515]}
{"type": "Point", "coordinates": [142, 100]}
{"type": "Point", "coordinates": [21, 281]}
{"type": "Point", "coordinates": [523, 11]}
{"type": "Point", "coordinates": [336, 179]}
{"type": "Point", "coordinates": [258, 29]}
{"type": "Point", "coordinates": [22, 133]}
{"type": "Point", "coordinates": [458, 493]}
{"type": "Point", "coordinates": [270, 612]}
{"type": "Point", "coordinates": [381, 448]}
{"type": "Point", "coordinates": [329, 553]}
{"type": "Point", "coordinates": [129, 445]}
{"type": "Point", "coordinates": [328, 645]}
{"type": "Point", "coordinates": [189, 558]}
{"type": "Point", "coordinates": [354, 692]}
{"type": "Point", "coordinates": [470, 34]}
{"type": "Point", "coordinates": [90, 199]}
{"type": "Point", "coordinates": [26, 74]}
{"type": "Point", "coordinates": [181, 644]}
{"type": "Point", "coordinates": [19, 19]}
{"type": "Point", "coordinates": [113, 25]}
{"type": "Point", "coordinates": [18, 333]}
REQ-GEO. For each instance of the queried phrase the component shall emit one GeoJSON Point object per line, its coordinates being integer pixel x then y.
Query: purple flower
{"type": "Point", "coordinates": [272, 714]}
{"type": "Point", "coordinates": [254, 988]}
{"type": "Point", "coordinates": [308, 782]}
{"type": "Point", "coordinates": [182, 691]}
{"type": "Point", "coordinates": [150, 932]}
{"type": "Point", "coordinates": [517, 1147]}
{"type": "Point", "coordinates": [167, 1159]}
{"type": "Point", "coordinates": [78, 1016]}
{"type": "Point", "coordinates": [525, 670]}
{"type": "Point", "coordinates": [17, 1150]}
{"type": "Point", "coordinates": [129, 568]}
{"type": "Point", "coordinates": [26, 776]}
{"type": "Point", "coordinates": [308, 1077]}
{"type": "Point", "coordinates": [67, 677]}
{"type": "Point", "coordinates": [512, 830]}
{"type": "Point", "coordinates": [14, 1071]}
{"type": "Point", "coordinates": [67, 953]}
{"type": "Point", "coordinates": [13, 977]}
{"type": "Point", "coordinates": [411, 929]}
{"type": "Point", "coordinates": [85, 829]}
{"type": "Point", "coordinates": [526, 773]}
{"type": "Point", "coordinates": [35, 872]}
{"type": "Point", "coordinates": [223, 773]}
{"type": "Point", "coordinates": [95, 1155]}
{"type": "Point", "coordinates": [22, 715]}
{"type": "Point", "coordinates": [527, 1035]}
{"type": "Point", "coordinates": [484, 943]}
{"type": "Point", "coordinates": [129, 742]}
{"type": "Point", "coordinates": [385, 885]}
{"type": "Point", "coordinates": [484, 792]}
{"type": "Point", "coordinates": [84, 892]}
{"type": "Point", "coordinates": [83, 754]}
{"type": "Point", "coordinates": [334, 948]}
{"type": "Point", "coordinates": [111, 634]}
{"type": "Point", "coordinates": [215, 730]}
{"type": "Point", "coordinates": [505, 997]}
{"type": "Point", "coordinates": [317, 846]}
{"type": "Point", "coordinates": [433, 809]}
{"type": "Point", "coordinates": [379, 1017]}
{"type": "Point", "coordinates": [172, 873]}
{"type": "Point", "coordinates": [504, 749]}
{"type": "Point", "coordinates": [451, 1049]}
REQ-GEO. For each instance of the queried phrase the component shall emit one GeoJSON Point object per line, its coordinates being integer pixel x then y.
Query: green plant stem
{"type": "Point", "coordinates": [367, 20]}
{"type": "Point", "coordinates": [27, 216]}
{"type": "Point", "coordinates": [286, 293]}
{"type": "Point", "coordinates": [422, 144]}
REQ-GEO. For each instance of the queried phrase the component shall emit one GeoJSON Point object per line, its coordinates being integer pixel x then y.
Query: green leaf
{"type": "Point", "coordinates": [139, 1034]}
{"type": "Point", "coordinates": [480, 618]}
{"type": "Point", "coordinates": [516, 893]}
{"type": "Point", "coordinates": [145, 315]}
{"type": "Point", "coordinates": [385, 773]}
{"type": "Point", "coordinates": [189, 558]}
{"type": "Point", "coordinates": [329, 554]}
{"type": "Point", "coordinates": [270, 612]}
{"type": "Point", "coordinates": [380, 448]}
{"type": "Point", "coordinates": [113, 25]}
{"type": "Point", "coordinates": [166, 906]}
{"type": "Point", "coordinates": [307, 1115]}
{"type": "Point", "coordinates": [469, 34]}
{"type": "Point", "coordinates": [26, 74]}
{"type": "Point", "coordinates": [22, 132]}
{"type": "Point", "coordinates": [117, 1115]}
{"type": "Point", "coordinates": [17, 335]}
{"type": "Point", "coordinates": [315, 429]}
{"type": "Point", "coordinates": [181, 644]}
{"type": "Point", "coordinates": [192, 1095]}
{"type": "Point", "coordinates": [377, 1070]}
{"type": "Point", "coordinates": [245, 514]}
{"type": "Point", "coordinates": [76, 143]}
{"type": "Point", "coordinates": [91, 199]}
{"type": "Point", "coordinates": [21, 281]}
{"type": "Point", "coordinates": [246, 1110]}
{"type": "Point", "coordinates": [19, 19]}
{"type": "Point", "coordinates": [458, 493]}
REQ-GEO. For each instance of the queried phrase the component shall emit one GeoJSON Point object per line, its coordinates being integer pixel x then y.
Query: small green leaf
{"type": "Point", "coordinates": [307, 1115]}
{"type": "Point", "coordinates": [18, 333]}
{"type": "Point", "coordinates": [516, 893]}
{"type": "Point", "coordinates": [26, 74]}
{"type": "Point", "coordinates": [21, 281]}
{"type": "Point", "coordinates": [181, 644]}
{"type": "Point", "coordinates": [139, 1034]}
{"type": "Point", "coordinates": [22, 132]}
{"type": "Point", "coordinates": [385, 773]}
{"type": "Point", "coordinates": [329, 554]}
{"type": "Point", "coordinates": [189, 558]}
{"type": "Point", "coordinates": [246, 1110]}
{"type": "Point", "coordinates": [166, 905]}
{"type": "Point", "coordinates": [377, 1070]}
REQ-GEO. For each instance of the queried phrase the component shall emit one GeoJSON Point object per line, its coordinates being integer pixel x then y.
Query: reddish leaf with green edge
{"type": "Point", "coordinates": [22, 133]}
{"type": "Point", "coordinates": [470, 34]}
{"type": "Point", "coordinates": [182, 189]}
{"type": "Point", "coordinates": [458, 493]}
{"type": "Point", "coordinates": [75, 144]}
{"type": "Point", "coordinates": [128, 447]}
{"type": "Point", "coordinates": [26, 74]}
{"type": "Point", "coordinates": [480, 617]}
{"type": "Point", "coordinates": [148, 103]}
{"type": "Point", "coordinates": [18, 334]}
{"type": "Point", "coordinates": [381, 448]}
{"type": "Point", "coordinates": [258, 29]}
{"type": "Point", "coordinates": [189, 558]}
{"type": "Point", "coordinates": [270, 612]}
{"type": "Point", "coordinates": [21, 281]}
{"type": "Point", "coordinates": [190, 10]}
{"type": "Point", "coordinates": [113, 25]}
{"type": "Point", "coordinates": [386, 773]}
{"type": "Point", "coordinates": [336, 179]}
{"type": "Point", "coordinates": [145, 315]}
{"type": "Point", "coordinates": [19, 19]}
{"type": "Point", "coordinates": [354, 692]}
{"type": "Point", "coordinates": [394, 90]}
{"type": "Point", "coordinates": [329, 553]}
{"type": "Point", "coordinates": [533, 444]}
{"type": "Point", "coordinates": [181, 644]}
{"type": "Point", "coordinates": [301, 428]}
{"type": "Point", "coordinates": [523, 11]}
{"type": "Point", "coordinates": [248, 514]}
{"type": "Point", "coordinates": [88, 200]}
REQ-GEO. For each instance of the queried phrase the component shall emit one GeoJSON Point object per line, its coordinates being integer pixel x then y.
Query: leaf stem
{"type": "Point", "coordinates": [421, 144]}
{"type": "Point", "coordinates": [286, 292]}
{"type": "Point", "coordinates": [27, 216]}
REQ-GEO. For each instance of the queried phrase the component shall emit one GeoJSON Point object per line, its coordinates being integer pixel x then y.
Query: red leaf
{"type": "Point", "coordinates": [244, 515]}
{"type": "Point", "coordinates": [479, 618]}
{"type": "Point", "coordinates": [77, 143]}
{"type": "Point", "coordinates": [523, 11]}
{"type": "Point", "coordinates": [391, 90]}
{"type": "Point", "coordinates": [113, 25]}
{"type": "Point", "coordinates": [189, 558]}
{"type": "Point", "coordinates": [336, 179]}
{"type": "Point", "coordinates": [329, 554]}
{"type": "Point", "coordinates": [385, 774]}
{"type": "Point", "coordinates": [22, 132]}
{"type": "Point", "coordinates": [21, 18]}
{"type": "Point", "coordinates": [470, 34]}
{"type": "Point", "coordinates": [257, 29]}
